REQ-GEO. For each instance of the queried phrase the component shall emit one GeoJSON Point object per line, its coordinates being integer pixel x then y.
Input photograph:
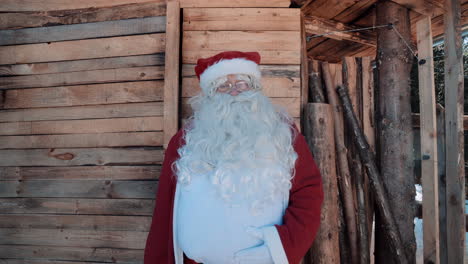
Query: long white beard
{"type": "Point", "coordinates": [243, 143]}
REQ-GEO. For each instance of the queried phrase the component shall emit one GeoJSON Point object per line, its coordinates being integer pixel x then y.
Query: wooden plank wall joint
{"type": "Point", "coordinates": [429, 171]}
{"type": "Point", "coordinates": [172, 68]}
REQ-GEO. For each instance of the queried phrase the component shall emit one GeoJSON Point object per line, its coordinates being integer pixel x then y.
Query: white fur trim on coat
{"type": "Point", "coordinates": [225, 67]}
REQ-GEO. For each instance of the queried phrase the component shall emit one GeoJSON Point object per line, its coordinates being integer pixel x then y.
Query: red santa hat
{"type": "Point", "coordinates": [224, 63]}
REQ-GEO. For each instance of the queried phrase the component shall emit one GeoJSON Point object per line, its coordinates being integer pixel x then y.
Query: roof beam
{"type": "Point", "coordinates": [320, 26]}
{"type": "Point", "coordinates": [425, 7]}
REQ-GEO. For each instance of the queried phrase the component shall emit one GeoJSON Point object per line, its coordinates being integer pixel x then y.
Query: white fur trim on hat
{"type": "Point", "coordinates": [225, 67]}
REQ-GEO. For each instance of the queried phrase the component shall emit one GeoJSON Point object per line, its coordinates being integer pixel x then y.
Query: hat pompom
{"type": "Point", "coordinates": [224, 63]}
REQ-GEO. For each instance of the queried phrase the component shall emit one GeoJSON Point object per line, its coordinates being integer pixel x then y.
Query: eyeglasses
{"type": "Point", "coordinates": [227, 86]}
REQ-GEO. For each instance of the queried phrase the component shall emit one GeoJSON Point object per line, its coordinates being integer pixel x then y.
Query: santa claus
{"type": "Point", "coordinates": [238, 182]}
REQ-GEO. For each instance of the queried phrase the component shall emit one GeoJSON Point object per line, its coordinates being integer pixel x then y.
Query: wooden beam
{"type": "Point", "coordinates": [454, 140]}
{"type": "Point", "coordinates": [31, 19]}
{"type": "Point", "coordinates": [442, 184]}
{"type": "Point", "coordinates": [416, 122]}
{"type": "Point", "coordinates": [394, 130]}
{"type": "Point", "coordinates": [327, 9]}
{"type": "Point", "coordinates": [319, 26]}
{"type": "Point", "coordinates": [241, 19]}
{"type": "Point", "coordinates": [50, 5]}
{"type": "Point", "coordinates": [275, 47]}
{"type": "Point", "coordinates": [83, 49]}
{"type": "Point", "coordinates": [83, 31]}
{"type": "Point", "coordinates": [428, 130]}
{"type": "Point", "coordinates": [83, 77]}
{"type": "Point", "coordinates": [101, 206]}
{"type": "Point", "coordinates": [80, 156]}
{"type": "Point", "coordinates": [424, 7]}
{"type": "Point", "coordinates": [171, 84]}
{"type": "Point", "coordinates": [234, 3]}
{"type": "Point", "coordinates": [304, 72]}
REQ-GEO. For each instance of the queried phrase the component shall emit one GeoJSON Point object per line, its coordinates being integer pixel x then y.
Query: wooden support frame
{"type": "Point", "coordinates": [429, 160]}
{"type": "Point", "coordinates": [171, 71]}
{"type": "Point", "coordinates": [304, 72]}
{"type": "Point", "coordinates": [317, 25]}
{"type": "Point", "coordinates": [454, 141]}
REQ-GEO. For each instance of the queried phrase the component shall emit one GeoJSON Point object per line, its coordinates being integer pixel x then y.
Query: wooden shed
{"type": "Point", "coordinates": [91, 92]}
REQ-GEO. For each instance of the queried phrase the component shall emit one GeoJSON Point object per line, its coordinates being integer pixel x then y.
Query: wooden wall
{"type": "Point", "coordinates": [274, 32]}
{"type": "Point", "coordinates": [82, 113]}
{"type": "Point", "coordinates": [81, 129]}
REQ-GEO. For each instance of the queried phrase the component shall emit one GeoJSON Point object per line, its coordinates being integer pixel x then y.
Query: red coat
{"type": "Point", "coordinates": [300, 221]}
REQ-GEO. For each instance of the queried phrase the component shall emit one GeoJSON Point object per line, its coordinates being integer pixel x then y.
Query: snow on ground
{"type": "Point", "coordinates": [418, 230]}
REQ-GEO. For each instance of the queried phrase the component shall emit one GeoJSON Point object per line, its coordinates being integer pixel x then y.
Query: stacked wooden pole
{"type": "Point", "coordinates": [356, 188]}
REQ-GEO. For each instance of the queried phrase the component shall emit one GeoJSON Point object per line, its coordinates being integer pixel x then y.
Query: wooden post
{"type": "Point", "coordinates": [315, 82]}
{"type": "Point", "coordinates": [344, 179]}
{"type": "Point", "coordinates": [367, 157]}
{"type": "Point", "coordinates": [171, 71]}
{"type": "Point", "coordinates": [442, 184]}
{"type": "Point", "coordinates": [394, 128]}
{"type": "Point", "coordinates": [454, 159]}
{"type": "Point", "coordinates": [368, 125]}
{"type": "Point", "coordinates": [429, 158]}
{"type": "Point", "coordinates": [304, 72]}
{"type": "Point", "coordinates": [353, 81]}
{"type": "Point", "coordinates": [319, 136]}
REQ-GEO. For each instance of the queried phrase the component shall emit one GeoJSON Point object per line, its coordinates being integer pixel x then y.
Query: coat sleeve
{"type": "Point", "coordinates": [159, 243]}
{"type": "Point", "coordinates": [290, 241]}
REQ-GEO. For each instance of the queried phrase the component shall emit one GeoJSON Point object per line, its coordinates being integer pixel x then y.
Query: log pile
{"type": "Point", "coordinates": [358, 182]}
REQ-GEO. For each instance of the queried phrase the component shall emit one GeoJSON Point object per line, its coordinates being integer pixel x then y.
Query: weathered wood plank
{"type": "Point", "coordinates": [76, 222]}
{"type": "Point", "coordinates": [327, 8]}
{"type": "Point", "coordinates": [292, 105]}
{"type": "Point", "coordinates": [32, 261]}
{"type": "Point", "coordinates": [80, 112]}
{"type": "Point", "coordinates": [83, 31]}
{"type": "Point", "coordinates": [74, 238]}
{"type": "Point", "coordinates": [355, 11]}
{"type": "Point", "coordinates": [275, 47]}
{"type": "Point", "coordinates": [429, 170]}
{"type": "Point", "coordinates": [425, 7]}
{"type": "Point", "coordinates": [241, 19]}
{"type": "Point", "coordinates": [368, 113]}
{"type": "Point", "coordinates": [290, 71]}
{"type": "Point", "coordinates": [171, 78]}
{"type": "Point", "coordinates": [75, 206]}
{"type": "Point", "coordinates": [304, 81]}
{"type": "Point", "coordinates": [42, 254]}
{"type": "Point", "coordinates": [350, 81]}
{"type": "Point", "coordinates": [94, 94]}
{"type": "Point", "coordinates": [93, 140]}
{"type": "Point", "coordinates": [319, 130]}
{"type": "Point", "coordinates": [79, 189]}
{"type": "Point", "coordinates": [268, 56]}
{"type": "Point", "coordinates": [368, 127]}
{"type": "Point", "coordinates": [48, 5]}
{"type": "Point", "coordinates": [83, 65]}
{"type": "Point", "coordinates": [234, 3]}
{"type": "Point", "coordinates": [83, 49]}
{"type": "Point", "coordinates": [127, 124]}
{"type": "Point", "coordinates": [80, 156]}
{"type": "Point", "coordinates": [272, 87]}
{"type": "Point", "coordinates": [83, 77]}
{"type": "Point", "coordinates": [81, 173]}
{"type": "Point", "coordinates": [84, 15]}
{"type": "Point", "coordinates": [454, 136]}
{"type": "Point", "coordinates": [224, 40]}
{"type": "Point", "coordinates": [320, 26]}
